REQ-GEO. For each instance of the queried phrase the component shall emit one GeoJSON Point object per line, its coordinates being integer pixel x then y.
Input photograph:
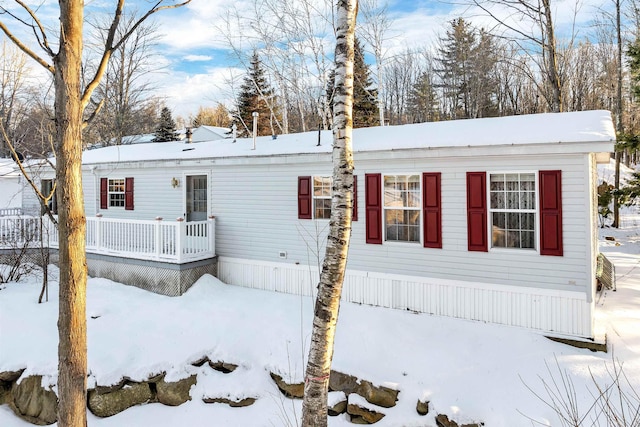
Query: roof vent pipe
{"type": "Point", "coordinates": [255, 128]}
{"type": "Point", "coordinates": [189, 136]}
{"type": "Point", "coordinates": [234, 131]}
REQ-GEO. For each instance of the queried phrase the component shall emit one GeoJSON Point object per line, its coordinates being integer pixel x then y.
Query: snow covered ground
{"type": "Point", "coordinates": [470, 371]}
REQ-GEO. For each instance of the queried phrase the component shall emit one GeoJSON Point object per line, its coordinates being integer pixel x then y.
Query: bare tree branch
{"type": "Point", "coordinates": [110, 46]}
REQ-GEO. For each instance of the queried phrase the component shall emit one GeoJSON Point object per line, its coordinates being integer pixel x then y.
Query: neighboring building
{"type": "Point", "coordinates": [10, 187]}
{"type": "Point", "coordinates": [488, 219]}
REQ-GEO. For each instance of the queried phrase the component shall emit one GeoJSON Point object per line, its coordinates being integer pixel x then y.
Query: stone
{"type": "Point", "coordinates": [356, 412]}
{"type": "Point", "coordinates": [422, 407]}
{"type": "Point", "coordinates": [381, 396]}
{"type": "Point", "coordinates": [443, 421]}
{"type": "Point", "coordinates": [174, 393]}
{"type": "Point", "coordinates": [339, 407]}
{"type": "Point", "coordinates": [10, 376]}
{"type": "Point", "coordinates": [220, 366]}
{"type": "Point", "coordinates": [116, 401]}
{"type": "Point", "coordinates": [295, 390]}
{"type": "Point", "coordinates": [200, 362]}
{"type": "Point", "coordinates": [248, 401]}
{"type": "Point", "coordinates": [31, 402]}
{"type": "Point", "coordinates": [5, 392]}
{"type": "Point", "coordinates": [343, 382]}
{"type": "Point", "coordinates": [378, 395]}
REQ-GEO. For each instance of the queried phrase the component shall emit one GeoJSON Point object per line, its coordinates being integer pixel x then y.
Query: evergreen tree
{"type": "Point", "coordinates": [256, 95]}
{"type": "Point", "coordinates": [365, 106]}
{"type": "Point", "coordinates": [467, 62]}
{"type": "Point", "coordinates": [422, 100]}
{"type": "Point", "coordinates": [166, 130]}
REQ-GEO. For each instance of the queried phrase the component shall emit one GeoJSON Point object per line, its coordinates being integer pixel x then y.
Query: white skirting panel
{"type": "Point", "coordinates": [549, 311]}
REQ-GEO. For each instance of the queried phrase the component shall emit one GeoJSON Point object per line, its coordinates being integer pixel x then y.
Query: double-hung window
{"type": "Point", "coordinates": [512, 210]}
{"type": "Point", "coordinates": [402, 207]}
{"type": "Point", "coordinates": [116, 192]}
{"type": "Point", "coordinates": [322, 196]}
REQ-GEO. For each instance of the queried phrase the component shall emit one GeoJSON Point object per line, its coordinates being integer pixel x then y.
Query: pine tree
{"type": "Point", "coordinates": [255, 96]}
{"type": "Point", "coordinates": [422, 100]}
{"type": "Point", "coordinates": [166, 130]}
{"type": "Point", "coordinates": [365, 106]}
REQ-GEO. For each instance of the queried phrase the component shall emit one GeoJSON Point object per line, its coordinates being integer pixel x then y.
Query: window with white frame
{"type": "Point", "coordinates": [116, 190]}
{"type": "Point", "coordinates": [402, 208]}
{"type": "Point", "coordinates": [322, 196]}
{"type": "Point", "coordinates": [512, 210]}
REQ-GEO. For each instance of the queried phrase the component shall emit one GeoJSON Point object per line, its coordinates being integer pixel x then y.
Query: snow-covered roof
{"type": "Point", "coordinates": [8, 169]}
{"type": "Point", "coordinates": [549, 128]}
{"type": "Point", "coordinates": [209, 133]}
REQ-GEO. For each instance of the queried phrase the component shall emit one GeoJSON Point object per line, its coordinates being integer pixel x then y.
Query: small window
{"type": "Point", "coordinates": [402, 208]}
{"type": "Point", "coordinates": [116, 193]}
{"type": "Point", "coordinates": [513, 210]}
{"type": "Point", "coordinates": [322, 196]}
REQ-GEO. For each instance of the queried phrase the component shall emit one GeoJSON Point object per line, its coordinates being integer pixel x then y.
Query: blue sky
{"type": "Point", "coordinates": [196, 61]}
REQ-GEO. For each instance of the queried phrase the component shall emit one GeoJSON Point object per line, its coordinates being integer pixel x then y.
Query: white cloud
{"type": "Point", "coordinates": [184, 92]}
{"type": "Point", "coordinates": [197, 58]}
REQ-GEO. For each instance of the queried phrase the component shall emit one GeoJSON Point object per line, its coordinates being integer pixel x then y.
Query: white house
{"type": "Point", "coordinates": [10, 188]}
{"type": "Point", "coordinates": [489, 219]}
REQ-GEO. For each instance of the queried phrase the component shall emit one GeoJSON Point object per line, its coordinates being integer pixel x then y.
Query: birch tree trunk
{"type": "Point", "coordinates": [314, 406]}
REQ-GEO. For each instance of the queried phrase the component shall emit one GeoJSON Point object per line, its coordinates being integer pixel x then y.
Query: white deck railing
{"type": "Point", "coordinates": [168, 241]}
{"type": "Point", "coordinates": [19, 231]}
{"type": "Point", "coordinates": [10, 211]}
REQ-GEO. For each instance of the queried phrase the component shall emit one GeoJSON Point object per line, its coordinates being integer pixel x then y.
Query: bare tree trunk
{"type": "Point", "coordinates": [552, 59]}
{"type": "Point", "coordinates": [619, 129]}
{"type": "Point", "coordinates": [72, 325]}
{"type": "Point", "coordinates": [314, 406]}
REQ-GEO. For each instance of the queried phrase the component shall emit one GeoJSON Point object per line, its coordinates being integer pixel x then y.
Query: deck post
{"type": "Point", "coordinates": [98, 231]}
{"type": "Point", "coordinates": [211, 232]}
{"type": "Point", "coordinates": [180, 234]}
{"type": "Point", "coordinates": [158, 240]}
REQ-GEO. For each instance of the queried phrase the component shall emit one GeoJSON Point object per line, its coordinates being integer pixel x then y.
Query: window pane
{"type": "Point", "coordinates": [513, 228]}
{"type": "Point", "coordinates": [513, 201]}
{"type": "Point", "coordinates": [527, 200]}
{"type": "Point", "coordinates": [527, 221]}
{"type": "Point", "coordinates": [322, 186]}
{"type": "Point", "coordinates": [527, 239]}
{"type": "Point", "coordinates": [499, 219]}
{"type": "Point", "coordinates": [497, 182]}
{"type": "Point", "coordinates": [402, 225]}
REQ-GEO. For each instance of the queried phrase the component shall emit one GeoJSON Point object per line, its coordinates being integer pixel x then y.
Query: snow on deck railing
{"type": "Point", "coordinates": [157, 240]}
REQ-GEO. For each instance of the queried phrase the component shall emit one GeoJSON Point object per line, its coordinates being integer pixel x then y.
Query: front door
{"type": "Point", "coordinates": [196, 197]}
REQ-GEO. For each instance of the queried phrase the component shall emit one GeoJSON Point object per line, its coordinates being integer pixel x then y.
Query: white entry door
{"type": "Point", "coordinates": [196, 197]}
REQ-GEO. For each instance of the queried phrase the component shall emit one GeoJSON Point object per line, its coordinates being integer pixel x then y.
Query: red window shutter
{"type": "Point", "coordinates": [354, 216]}
{"type": "Point", "coordinates": [477, 211]}
{"type": "Point", "coordinates": [304, 197]}
{"type": "Point", "coordinates": [431, 207]}
{"type": "Point", "coordinates": [104, 195]}
{"type": "Point", "coordinates": [373, 207]}
{"type": "Point", "coordinates": [128, 194]}
{"type": "Point", "coordinates": [550, 212]}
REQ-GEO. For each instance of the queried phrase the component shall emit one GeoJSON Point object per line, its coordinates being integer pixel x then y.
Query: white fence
{"type": "Point", "coordinates": [174, 242]}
